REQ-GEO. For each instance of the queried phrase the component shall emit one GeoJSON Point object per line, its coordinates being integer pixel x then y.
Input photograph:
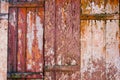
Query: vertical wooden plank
{"type": "Point", "coordinates": [12, 43]}
{"type": "Point", "coordinates": [86, 50]}
{"type": "Point", "coordinates": [21, 56]}
{"type": "Point", "coordinates": [38, 49]}
{"type": "Point", "coordinates": [49, 34]}
{"type": "Point", "coordinates": [49, 38]}
{"type": "Point", "coordinates": [75, 17]}
{"type": "Point", "coordinates": [67, 46]}
{"type": "Point", "coordinates": [98, 50]}
{"type": "Point", "coordinates": [112, 50]}
{"type": "Point", "coordinates": [35, 19]}
{"type": "Point", "coordinates": [30, 55]}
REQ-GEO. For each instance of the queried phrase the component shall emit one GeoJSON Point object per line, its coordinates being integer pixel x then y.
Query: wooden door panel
{"type": "Point", "coordinates": [62, 22]}
{"type": "Point", "coordinates": [12, 40]}
{"type": "Point", "coordinates": [67, 38]}
{"type": "Point", "coordinates": [25, 51]}
{"type": "Point", "coordinates": [21, 56]}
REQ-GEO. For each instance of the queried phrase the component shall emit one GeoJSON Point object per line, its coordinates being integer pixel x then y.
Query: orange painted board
{"type": "Point", "coordinates": [21, 53]}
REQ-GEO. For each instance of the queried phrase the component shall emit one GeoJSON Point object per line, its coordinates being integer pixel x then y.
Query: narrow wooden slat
{"type": "Point", "coordinates": [12, 40]}
{"type": "Point", "coordinates": [21, 56]}
{"type": "Point", "coordinates": [86, 49]}
{"type": "Point", "coordinates": [49, 50]}
{"type": "Point", "coordinates": [28, 75]}
{"type": "Point", "coordinates": [27, 4]}
{"type": "Point", "coordinates": [38, 40]}
{"type": "Point", "coordinates": [112, 50]}
{"type": "Point", "coordinates": [62, 68]}
{"type": "Point", "coordinates": [30, 55]}
{"type": "Point", "coordinates": [99, 17]}
{"type": "Point", "coordinates": [98, 50]}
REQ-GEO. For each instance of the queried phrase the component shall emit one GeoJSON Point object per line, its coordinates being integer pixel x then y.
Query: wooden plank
{"type": "Point", "coordinates": [21, 54]}
{"type": "Point", "coordinates": [98, 50]}
{"type": "Point", "coordinates": [12, 40]}
{"type": "Point", "coordinates": [27, 4]}
{"type": "Point", "coordinates": [30, 54]}
{"type": "Point", "coordinates": [86, 49]}
{"type": "Point", "coordinates": [35, 39]}
{"type": "Point", "coordinates": [62, 68]}
{"type": "Point", "coordinates": [99, 17]}
{"type": "Point", "coordinates": [93, 64]}
{"type": "Point", "coordinates": [38, 45]}
{"type": "Point", "coordinates": [27, 75]}
{"type": "Point", "coordinates": [49, 33]}
{"type": "Point", "coordinates": [67, 45]}
{"type": "Point", "coordinates": [112, 50]}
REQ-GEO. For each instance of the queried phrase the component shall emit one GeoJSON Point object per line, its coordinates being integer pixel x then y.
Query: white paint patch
{"type": "Point", "coordinates": [13, 19]}
{"type": "Point", "coordinates": [97, 9]}
{"type": "Point", "coordinates": [59, 59]}
{"type": "Point", "coordinates": [30, 31]}
{"type": "Point", "coordinates": [39, 27]}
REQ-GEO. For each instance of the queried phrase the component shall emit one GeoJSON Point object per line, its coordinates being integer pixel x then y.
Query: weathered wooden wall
{"type": "Point", "coordinates": [82, 39]}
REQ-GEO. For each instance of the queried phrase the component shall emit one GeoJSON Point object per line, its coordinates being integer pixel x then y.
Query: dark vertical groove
{"type": "Point", "coordinates": [55, 37]}
{"type": "Point", "coordinates": [16, 37]}
{"type": "Point", "coordinates": [8, 43]}
{"type": "Point", "coordinates": [44, 43]}
{"type": "Point", "coordinates": [80, 13]}
{"type": "Point", "coordinates": [25, 39]}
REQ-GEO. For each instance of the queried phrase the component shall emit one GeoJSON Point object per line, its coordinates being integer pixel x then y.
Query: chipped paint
{"type": "Point", "coordinates": [39, 27]}
{"type": "Point", "coordinates": [112, 50]}
{"type": "Point", "coordinates": [30, 30]}
{"type": "Point", "coordinates": [99, 6]}
{"type": "Point", "coordinates": [99, 58]}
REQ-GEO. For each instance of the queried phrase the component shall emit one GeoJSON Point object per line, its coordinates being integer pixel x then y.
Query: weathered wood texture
{"type": "Point", "coordinates": [99, 6]}
{"type": "Point", "coordinates": [25, 42]}
{"type": "Point", "coordinates": [63, 49]}
{"type": "Point", "coordinates": [73, 50]}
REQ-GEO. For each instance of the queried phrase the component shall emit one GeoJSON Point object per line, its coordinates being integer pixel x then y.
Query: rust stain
{"type": "Point", "coordinates": [21, 39]}
{"type": "Point", "coordinates": [35, 39]}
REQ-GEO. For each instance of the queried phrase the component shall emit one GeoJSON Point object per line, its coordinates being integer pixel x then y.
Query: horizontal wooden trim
{"type": "Point", "coordinates": [99, 16]}
{"type": "Point", "coordinates": [62, 68]}
{"type": "Point", "coordinates": [27, 4]}
{"type": "Point", "coordinates": [31, 75]}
